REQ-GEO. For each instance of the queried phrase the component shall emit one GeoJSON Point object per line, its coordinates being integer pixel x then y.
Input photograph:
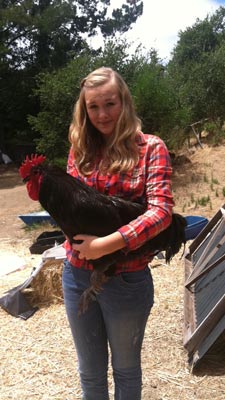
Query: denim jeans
{"type": "Point", "coordinates": [117, 317]}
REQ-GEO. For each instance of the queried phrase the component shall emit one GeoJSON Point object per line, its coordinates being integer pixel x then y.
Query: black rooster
{"type": "Point", "coordinates": [79, 208]}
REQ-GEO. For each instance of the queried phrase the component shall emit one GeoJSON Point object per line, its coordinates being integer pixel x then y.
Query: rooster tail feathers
{"type": "Point", "coordinates": [28, 163]}
{"type": "Point", "coordinates": [177, 236]}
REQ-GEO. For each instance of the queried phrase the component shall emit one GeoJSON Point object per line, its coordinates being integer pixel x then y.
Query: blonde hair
{"type": "Point", "coordinates": [121, 151]}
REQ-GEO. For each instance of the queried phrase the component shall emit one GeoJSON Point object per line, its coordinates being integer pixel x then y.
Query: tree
{"type": "Point", "coordinates": [154, 98]}
{"type": "Point", "coordinates": [197, 69]}
{"type": "Point", "coordinates": [44, 35]}
{"type": "Point", "coordinates": [49, 33]}
{"type": "Point", "coordinates": [59, 90]}
{"type": "Point", "coordinates": [144, 74]}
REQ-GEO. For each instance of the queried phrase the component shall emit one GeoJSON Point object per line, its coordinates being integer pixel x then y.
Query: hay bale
{"type": "Point", "coordinates": [46, 286]}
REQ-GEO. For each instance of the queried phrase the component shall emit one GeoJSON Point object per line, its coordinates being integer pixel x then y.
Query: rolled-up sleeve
{"type": "Point", "coordinates": [158, 196]}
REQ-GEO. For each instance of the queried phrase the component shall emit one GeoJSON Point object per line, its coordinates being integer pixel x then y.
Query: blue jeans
{"type": "Point", "coordinates": [118, 317]}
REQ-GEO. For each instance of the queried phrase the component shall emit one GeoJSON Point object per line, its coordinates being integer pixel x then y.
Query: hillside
{"type": "Point", "coordinates": [199, 185]}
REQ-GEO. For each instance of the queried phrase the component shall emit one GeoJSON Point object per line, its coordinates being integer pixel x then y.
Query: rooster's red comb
{"type": "Point", "coordinates": [28, 163]}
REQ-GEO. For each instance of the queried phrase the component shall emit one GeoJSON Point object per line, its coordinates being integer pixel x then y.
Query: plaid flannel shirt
{"type": "Point", "coordinates": [149, 181]}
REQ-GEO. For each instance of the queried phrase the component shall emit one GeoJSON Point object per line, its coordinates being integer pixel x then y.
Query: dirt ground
{"type": "Point", "coordinates": [37, 356]}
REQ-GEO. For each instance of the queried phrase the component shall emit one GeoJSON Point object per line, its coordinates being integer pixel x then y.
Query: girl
{"type": "Point", "coordinates": [109, 151]}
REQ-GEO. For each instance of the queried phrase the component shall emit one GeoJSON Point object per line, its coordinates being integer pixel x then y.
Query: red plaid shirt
{"type": "Point", "coordinates": [148, 181]}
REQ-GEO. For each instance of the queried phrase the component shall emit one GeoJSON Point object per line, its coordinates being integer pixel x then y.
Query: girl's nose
{"type": "Point", "coordinates": [102, 112]}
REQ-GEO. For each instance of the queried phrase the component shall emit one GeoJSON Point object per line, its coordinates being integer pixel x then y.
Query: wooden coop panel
{"type": "Point", "coordinates": [204, 297]}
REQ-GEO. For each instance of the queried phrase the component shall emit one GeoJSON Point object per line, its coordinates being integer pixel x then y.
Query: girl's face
{"type": "Point", "coordinates": [103, 107]}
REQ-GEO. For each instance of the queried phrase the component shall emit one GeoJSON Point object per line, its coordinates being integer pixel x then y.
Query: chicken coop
{"type": "Point", "coordinates": [204, 296]}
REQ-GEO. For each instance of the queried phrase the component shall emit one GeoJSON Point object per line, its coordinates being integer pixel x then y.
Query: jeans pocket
{"type": "Point", "coordinates": [136, 278]}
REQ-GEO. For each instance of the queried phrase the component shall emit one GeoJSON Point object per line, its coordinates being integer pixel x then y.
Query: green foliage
{"type": "Point", "coordinates": [203, 201]}
{"type": "Point", "coordinates": [58, 92]}
{"type": "Point", "coordinates": [216, 134]}
{"type": "Point", "coordinates": [215, 181]}
{"type": "Point", "coordinates": [44, 36]}
{"type": "Point", "coordinates": [44, 55]}
{"type": "Point", "coordinates": [61, 162]}
{"type": "Point", "coordinates": [197, 68]}
{"type": "Point", "coordinates": [49, 33]}
{"type": "Point", "coordinates": [154, 98]}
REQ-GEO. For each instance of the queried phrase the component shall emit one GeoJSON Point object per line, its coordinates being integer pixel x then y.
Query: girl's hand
{"type": "Point", "coordinates": [93, 247]}
{"type": "Point", "coordinates": [90, 248]}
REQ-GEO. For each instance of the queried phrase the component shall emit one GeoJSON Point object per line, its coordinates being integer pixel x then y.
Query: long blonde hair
{"type": "Point", "coordinates": [121, 150]}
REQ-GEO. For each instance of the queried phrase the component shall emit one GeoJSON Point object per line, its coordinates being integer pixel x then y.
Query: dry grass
{"type": "Point", "coordinates": [39, 361]}
{"type": "Point", "coordinates": [46, 287]}
{"type": "Point", "coordinates": [37, 356]}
